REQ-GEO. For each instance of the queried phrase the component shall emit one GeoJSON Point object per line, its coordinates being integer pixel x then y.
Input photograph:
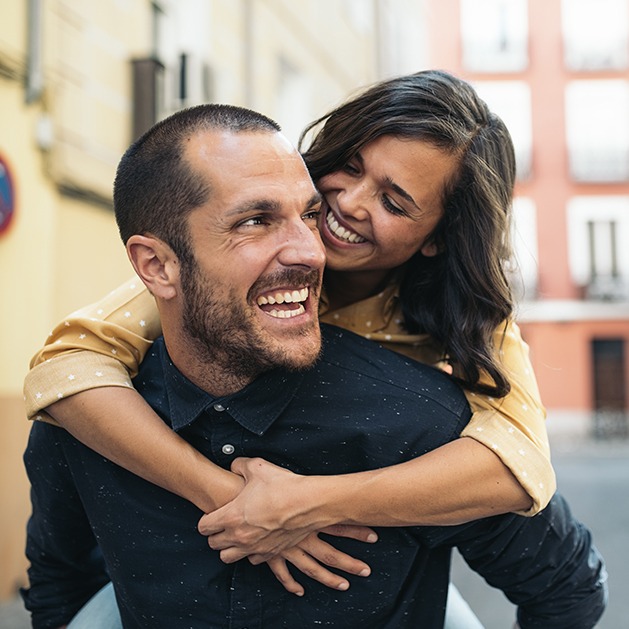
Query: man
{"type": "Point", "coordinates": [218, 214]}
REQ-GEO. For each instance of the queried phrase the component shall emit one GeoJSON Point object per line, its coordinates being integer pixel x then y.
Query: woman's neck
{"type": "Point", "coordinates": [347, 287]}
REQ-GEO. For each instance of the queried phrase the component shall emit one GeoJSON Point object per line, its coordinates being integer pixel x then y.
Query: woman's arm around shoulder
{"type": "Point", "coordinates": [514, 427]}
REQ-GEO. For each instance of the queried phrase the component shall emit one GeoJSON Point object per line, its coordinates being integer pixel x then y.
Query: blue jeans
{"type": "Point", "coordinates": [101, 612]}
{"type": "Point", "coordinates": [459, 614]}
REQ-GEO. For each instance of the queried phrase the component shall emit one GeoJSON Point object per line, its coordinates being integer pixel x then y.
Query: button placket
{"type": "Point", "coordinates": [226, 432]}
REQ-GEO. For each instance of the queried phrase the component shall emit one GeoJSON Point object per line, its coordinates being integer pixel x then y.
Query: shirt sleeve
{"type": "Point", "coordinates": [66, 568]}
{"type": "Point", "coordinates": [514, 427]}
{"type": "Point", "coordinates": [100, 345]}
{"type": "Point", "coordinates": [546, 565]}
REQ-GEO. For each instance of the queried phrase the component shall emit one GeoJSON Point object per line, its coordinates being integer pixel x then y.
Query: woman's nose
{"type": "Point", "coordinates": [355, 201]}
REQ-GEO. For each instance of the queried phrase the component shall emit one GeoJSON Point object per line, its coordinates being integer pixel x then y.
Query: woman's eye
{"type": "Point", "coordinates": [350, 169]}
{"type": "Point", "coordinates": [391, 206]}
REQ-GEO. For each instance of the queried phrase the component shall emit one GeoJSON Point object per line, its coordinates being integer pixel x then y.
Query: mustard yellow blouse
{"type": "Point", "coordinates": [104, 343]}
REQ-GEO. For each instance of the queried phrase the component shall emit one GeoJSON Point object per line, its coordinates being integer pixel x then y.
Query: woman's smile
{"type": "Point", "coordinates": [340, 231]}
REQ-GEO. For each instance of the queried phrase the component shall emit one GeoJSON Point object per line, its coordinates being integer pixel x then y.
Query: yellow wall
{"type": "Point", "coordinates": [63, 250]}
{"type": "Point", "coordinates": [58, 253]}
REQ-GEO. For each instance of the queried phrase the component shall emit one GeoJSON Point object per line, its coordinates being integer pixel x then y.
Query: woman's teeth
{"type": "Point", "coordinates": [340, 232]}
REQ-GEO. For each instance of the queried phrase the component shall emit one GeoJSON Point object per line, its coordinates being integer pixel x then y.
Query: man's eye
{"type": "Point", "coordinates": [253, 221]}
{"type": "Point", "coordinates": [313, 215]}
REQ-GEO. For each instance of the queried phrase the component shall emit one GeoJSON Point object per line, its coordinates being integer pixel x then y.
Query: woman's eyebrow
{"type": "Point", "coordinates": [389, 182]}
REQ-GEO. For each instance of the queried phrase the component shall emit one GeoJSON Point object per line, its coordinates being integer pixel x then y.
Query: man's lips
{"type": "Point", "coordinates": [342, 233]}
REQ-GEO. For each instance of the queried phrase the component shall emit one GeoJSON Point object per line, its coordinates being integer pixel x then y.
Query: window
{"type": "Point", "coordinates": [524, 238]}
{"type": "Point", "coordinates": [184, 49]}
{"type": "Point", "coordinates": [597, 130]}
{"type": "Point", "coordinates": [595, 34]}
{"type": "Point", "coordinates": [293, 99]}
{"type": "Point", "coordinates": [597, 227]}
{"type": "Point", "coordinates": [511, 100]}
{"type": "Point", "coordinates": [610, 397]}
{"type": "Point", "coordinates": [495, 35]}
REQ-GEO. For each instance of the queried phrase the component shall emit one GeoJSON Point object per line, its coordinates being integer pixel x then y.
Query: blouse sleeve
{"type": "Point", "coordinates": [514, 427]}
{"type": "Point", "coordinates": [100, 345]}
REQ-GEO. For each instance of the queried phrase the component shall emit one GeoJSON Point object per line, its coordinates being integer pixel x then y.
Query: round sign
{"type": "Point", "coordinates": [7, 196]}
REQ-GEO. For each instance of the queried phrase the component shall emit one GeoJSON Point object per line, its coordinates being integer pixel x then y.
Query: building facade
{"type": "Point", "coordinates": [558, 74]}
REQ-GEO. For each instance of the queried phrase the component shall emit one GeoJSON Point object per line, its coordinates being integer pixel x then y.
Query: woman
{"type": "Point", "coordinates": [418, 179]}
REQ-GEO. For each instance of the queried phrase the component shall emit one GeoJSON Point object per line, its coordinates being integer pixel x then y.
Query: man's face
{"type": "Point", "coordinates": [250, 303]}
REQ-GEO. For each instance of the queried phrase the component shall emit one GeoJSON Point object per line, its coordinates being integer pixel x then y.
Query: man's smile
{"type": "Point", "coordinates": [290, 302]}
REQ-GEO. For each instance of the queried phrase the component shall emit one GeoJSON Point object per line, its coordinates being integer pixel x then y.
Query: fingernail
{"type": "Point", "coordinates": [343, 586]}
{"type": "Point", "coordinates": [364, 573]}
{"type": "Point", "coordinates": [372, 537]}
{"type": "Point", "coordinates": [299, 593]}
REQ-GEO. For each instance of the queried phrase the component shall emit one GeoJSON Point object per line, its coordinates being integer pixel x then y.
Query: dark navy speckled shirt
{"type": "Point", "coordinates": [359, 408]}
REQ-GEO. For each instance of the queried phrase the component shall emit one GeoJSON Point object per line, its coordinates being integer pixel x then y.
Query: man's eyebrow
{"type": "Point", "coordinates": [256, 205]}
{"type": "Point", "coordinates": [315, 199]}
{"type": "Point", "coordinates": [267, 206]}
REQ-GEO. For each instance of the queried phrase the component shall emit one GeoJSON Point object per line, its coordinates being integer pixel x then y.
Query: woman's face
{"type": "Point", "coordinates": [383, 205]}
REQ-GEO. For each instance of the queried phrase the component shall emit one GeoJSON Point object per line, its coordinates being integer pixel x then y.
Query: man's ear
{"type": "Point", "coordinates": [156, 264]}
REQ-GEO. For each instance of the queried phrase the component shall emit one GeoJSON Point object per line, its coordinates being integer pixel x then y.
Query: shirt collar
{"type": "Point", "coordinates": [255, 407]}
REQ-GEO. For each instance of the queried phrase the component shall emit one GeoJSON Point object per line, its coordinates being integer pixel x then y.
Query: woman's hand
{"type": "Point", "coordinates": [275, 510]}
{"type": "Point", "coordinates": [310, 556]}
{"type": "Point", "coordinates": [270, 521]}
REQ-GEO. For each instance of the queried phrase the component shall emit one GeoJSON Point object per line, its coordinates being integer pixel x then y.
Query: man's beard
{"type": "Point", "coordinates": [225, 332]}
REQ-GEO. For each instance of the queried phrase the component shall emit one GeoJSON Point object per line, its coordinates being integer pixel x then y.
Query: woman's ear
{"type": "Point", "coordinates": [430, 249]}
{"type": "Point", "coordinates": [156, 264]}
{"type": "Point", "coordinates": [432, 246]}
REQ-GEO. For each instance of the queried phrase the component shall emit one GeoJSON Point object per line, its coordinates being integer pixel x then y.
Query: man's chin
{"type": "Point", "coordinates": [300, 354]}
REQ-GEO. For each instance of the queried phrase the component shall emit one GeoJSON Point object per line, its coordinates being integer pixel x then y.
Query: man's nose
{"type": "Point", "coordinates": [301, 246]}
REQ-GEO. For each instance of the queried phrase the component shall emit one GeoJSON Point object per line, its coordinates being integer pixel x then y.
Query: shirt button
{"type": "Point", "coordinates": [219, 407]}
{"type": "Point", "coordinates": [228, 448]}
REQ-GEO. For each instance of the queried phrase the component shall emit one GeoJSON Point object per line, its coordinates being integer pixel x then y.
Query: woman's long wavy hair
{"type": "Point", "coordinates": [461, 295]}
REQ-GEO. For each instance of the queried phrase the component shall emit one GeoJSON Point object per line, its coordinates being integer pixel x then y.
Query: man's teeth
{"type": "Point", "coordinates": [287, 297]}
{"type": "Point", "coordinates": [340, 232]}
{"type": "Point", "coordinates": [286, 314]}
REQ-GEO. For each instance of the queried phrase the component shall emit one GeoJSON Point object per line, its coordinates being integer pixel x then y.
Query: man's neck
{"type": "Point", "coordinates": [207, 373]}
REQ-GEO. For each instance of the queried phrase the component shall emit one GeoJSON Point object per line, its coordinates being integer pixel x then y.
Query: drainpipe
{"type": "Point", "coordinates": [34, 74]}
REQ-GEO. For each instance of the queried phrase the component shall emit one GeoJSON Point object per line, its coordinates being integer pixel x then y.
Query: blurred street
{"type": "Point", "coordinates": [594, 477]}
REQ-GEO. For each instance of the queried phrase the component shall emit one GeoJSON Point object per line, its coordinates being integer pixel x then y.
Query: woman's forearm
{"type": "Point", "coordinates": [124, 428]}
{"type": "Point", "coordinates": [458, 482]}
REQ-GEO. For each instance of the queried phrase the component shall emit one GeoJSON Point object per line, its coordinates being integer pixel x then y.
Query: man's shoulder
{"type": "Point", "coordinates": [368, 360]}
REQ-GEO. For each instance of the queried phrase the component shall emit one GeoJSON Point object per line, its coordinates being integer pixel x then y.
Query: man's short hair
{"type": "Point", "coordinates": [155, 188]}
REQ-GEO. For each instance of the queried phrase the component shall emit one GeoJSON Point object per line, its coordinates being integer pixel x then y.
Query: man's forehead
{"type": "Point", "coordinates": [232, 162]}
{"type": "Point", "coordinates": [211, 145]}
{"type": "Point", "coordinates": [250, 171]}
